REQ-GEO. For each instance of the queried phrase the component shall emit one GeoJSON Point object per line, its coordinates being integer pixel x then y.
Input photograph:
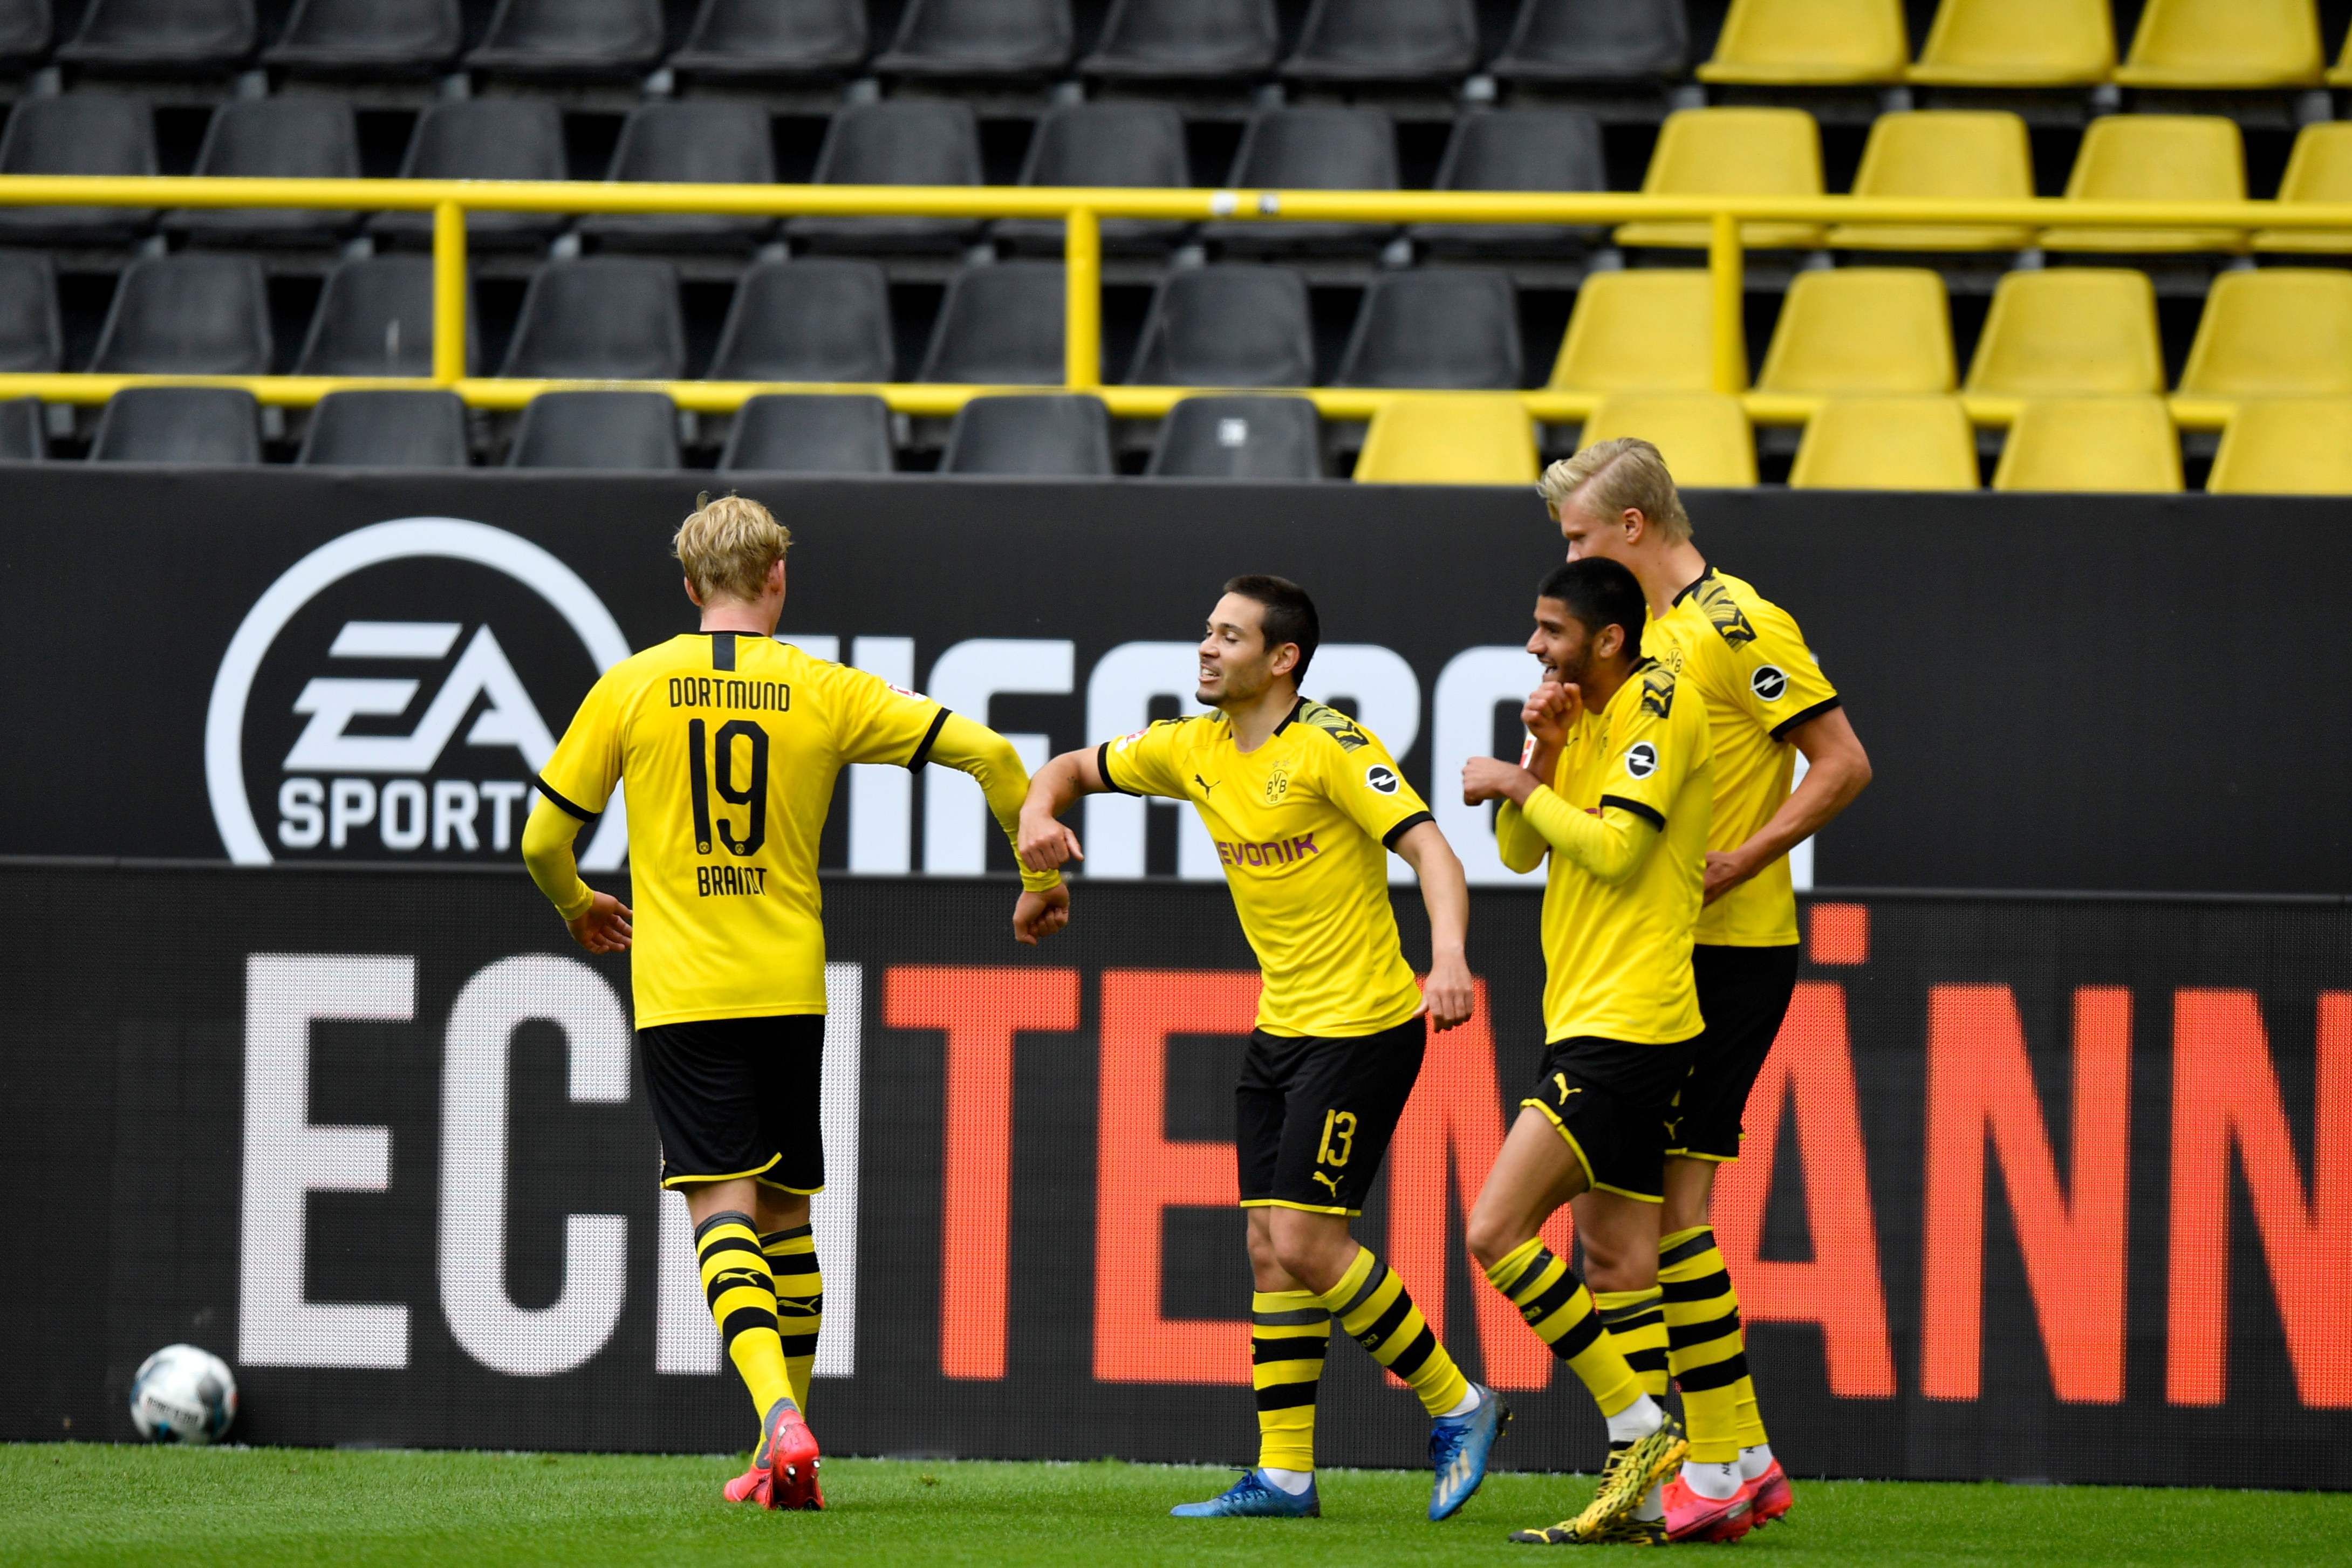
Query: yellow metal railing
{"type": "Point", "coordinates": [1081, 211]}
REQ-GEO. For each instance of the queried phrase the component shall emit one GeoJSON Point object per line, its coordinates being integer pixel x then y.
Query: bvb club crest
{"type": "Point", "coordinates": [1277, 785]}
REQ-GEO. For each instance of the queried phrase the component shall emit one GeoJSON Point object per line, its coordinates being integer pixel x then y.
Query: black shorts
{"type": "Point", "coordinates": [1611, 1100]}
{"type": "Point", "coordinates": [1313, 1116]}
{"type": "Point", "coordinates": [738, 1097]}
{"type": "Point", "coordinates": [1743, 994]}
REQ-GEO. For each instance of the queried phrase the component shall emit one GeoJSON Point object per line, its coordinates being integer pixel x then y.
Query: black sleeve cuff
{"type": "Point", "coordinates": [923, 749]}
{"type": "Point", "coordinates": [1794, 719]}
{"type": "Point", "coordinates": [1649, 814]}
{"type": "Point", "coordinates": [1388, 839]}
{"type": "Point", "coordinates": [577, 811]}
{"type": "Point", "coordinates": [1102, 765]}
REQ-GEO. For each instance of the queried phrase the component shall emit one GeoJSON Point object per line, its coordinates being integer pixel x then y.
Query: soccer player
{"type": "Point", "coordinates": [1767, 700]}
{"type": "Point", "coordinates": [1614, 787]}
{"type": "Point", "coordinates": [728, 742]}
{"type": "Point", "coordinates": [1304, 804]}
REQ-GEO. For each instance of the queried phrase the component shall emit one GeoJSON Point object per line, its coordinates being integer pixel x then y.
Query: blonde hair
{"type": "Point", "coordinates": [1627, 473]}
{"type": "Point", "coordinates": [727, 546]}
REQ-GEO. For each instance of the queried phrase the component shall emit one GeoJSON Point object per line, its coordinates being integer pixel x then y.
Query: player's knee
{"type": "Point", "coordinates": [1492, 1234]}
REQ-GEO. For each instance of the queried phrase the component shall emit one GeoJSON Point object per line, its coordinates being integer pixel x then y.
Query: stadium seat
{"type": "Point", "coordinates": [1810, 43]}
{"type": "Point", "coordinates": [2156, 158]}
{"type": "Point", "coordinates": [600, 318]}
{"type": "Point", "coordinates": [483, 138]}
{"type": "Point", "coordinates": [1517, 149]}
{"type": "Point", "coordinates": [1239, 438]}
{"type": "Point", "coordinates": [1596, 42]}
{"type": "Point", "coordinates": [21, 439]}
{"type": "Point", "coordinates": [80, 133]}
{"type": "Point", "coordinates": [906, 142]}
{"type": "Point", "coordinates": [2018, 44]}
{"type": "Point", "coordinates": [1647, 330]}
{"type": "Point", "coordinates": [1733, 152]}
{"type": "Point", "coordinates": [2340, 74]}
{"type": "Point", "coordinates": [2225, 44]}
{"type": "Point", "coordinates": [32, 336]}
{"type": "Point", "coordinates": [2097, 443]}
{"type": "Point", "coordinates": [1705, 437]}
{"type": "Point", "coordinates": [187, 315]}
{"type": "Point", "coordinates": [386, 430]}
{"type": "Point", "coordinates": [607, 38]}
{"type": "Point", "coordinates": [980, 38]}
{"type": "Point", "coordinates": [1449, 440]}
{"type": "Point", "coordinates": [1944, 155]}
{"type": "Point", "coordinates": [597, 430]}
{"type": "Point", "coordinates": [179, 425]}
{"type": "Point", "coordinates": [1185, 40]}
{"type": "Point", "coordinates": [1036, 434]}
{"type": "Point", "coordinates": [1887, 444]}
{"type": "Point", "coordinates": [370, 37]}
{"type": "Point", "coordinates": [2070, 332]}
{"type": "Point", "coordinates": [1437, 328]}
{"type": "Point", "coordinates": [1886, 329]}
{"type": "Point", "coordinates": [167, 38]}
{"type": "Point", "coordinates": [720, 142]}
{"type": "Point", "coordinates": [1385, 41]}
{"type": "Point", "coordinates": [296, 137]}
{"type": "Point", "coordinates": [810, 432]}
{"type": "Point", "coordinates": [759, 40]}
{"type": "Point", "coordinates": [2318, 169]}
{"type": "Point", "coordinates": [1122, 143]}
{"type": "Point", "coordinates": [2280, 333]}
{"type": "Point", "coordinates": [1000, 326]}
{"type": "Point", "coordinates": [1320, 146]}
{"type": "Point", "coordinates": [2286, 446]}
{"type": "Point", "coordinates": [375, 319]}
{"type": "Point", "coordinates": [25, 32]}
{"type": "Point", "coordinates": [1227, 327]}
{"type": "Point", "coordinates": [816, 320]}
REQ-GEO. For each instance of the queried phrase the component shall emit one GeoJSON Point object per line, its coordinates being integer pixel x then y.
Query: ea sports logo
{"type": "Point", "coordinates": [1770, 683]}
{"type": "Point", "coordinates": [1640, 760]}
{"type": "Point", "coordinates": [1382, 778]}
{"type": "Point", "coordinates": [378, 700]}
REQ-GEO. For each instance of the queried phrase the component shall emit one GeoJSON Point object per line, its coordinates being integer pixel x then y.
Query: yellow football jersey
{"type": "Point", "coordinates": [1303, 825]}
{"type": "Point", "coordinates": [1750, 665]}
{"type": "Point", "coordinates": [1617, 954]}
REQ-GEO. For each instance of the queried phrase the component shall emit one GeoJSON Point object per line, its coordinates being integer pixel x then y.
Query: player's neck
{"type": "Point", "coordinates": [734, 615]}
{"type": "Point", "coordinates": [1674, 568]}
{"type": "Point", "coordinates": [1602, 681]}
{"type": "Point", "coordinates": [1255, 721]}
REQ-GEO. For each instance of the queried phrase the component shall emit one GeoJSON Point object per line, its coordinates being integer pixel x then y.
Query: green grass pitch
{"type": "Point", "coordinates": [82, 1504]}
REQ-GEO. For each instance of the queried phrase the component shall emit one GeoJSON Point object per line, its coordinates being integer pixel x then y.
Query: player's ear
{"type": "Point", "coordinates": [1285, 659]}
{"type": "Point", "coordinates": [1610, 641]}
{"type": "Point", "coordinates": [1636, 524]}
{"type": "Point", "coordinates": [692, 597]}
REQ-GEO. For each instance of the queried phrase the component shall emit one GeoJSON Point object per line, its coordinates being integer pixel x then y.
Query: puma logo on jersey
{"type": "Point", "coordinates": [1204, 784]}
{"type": "Point", "coordinates": [1327, 1181]}
{"type": "Point", "coordinates": [1335, 724]}
{"type": "Point", "coordinates": [1658, 691]}
{"type": "Point", "coordinates": [1723, 612]}
{"type": "Point", "coordinates": [1561, 1079]}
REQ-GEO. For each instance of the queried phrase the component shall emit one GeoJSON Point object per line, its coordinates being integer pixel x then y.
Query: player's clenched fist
{"type": "Point", "coordinates": [1040, 915]}
{"type": "Point", "coordinates": [1045, 844]}
{"type": "Point", "coordinates": [1552, 708]}
{"type": "Point", "coordinates": [1487, 778]}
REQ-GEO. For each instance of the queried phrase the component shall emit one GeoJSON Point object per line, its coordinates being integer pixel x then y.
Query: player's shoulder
{"type": "Point", "coordinates": [1335, 729]}
{"type": "Point", "coordinates": [1183, 730]}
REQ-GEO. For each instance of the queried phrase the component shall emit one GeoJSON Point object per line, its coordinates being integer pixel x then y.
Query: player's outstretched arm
{"type": "Point", "coordinates": [1044, 907]}
{"type": "Point", "coordinates": [1447, 994]}
{"type": "Point", "coordinates": [1043, 841]}
{"type": "Point", "coordinates": [1836, 770]}
{"type": "Point", "coordinates": [598, 921]}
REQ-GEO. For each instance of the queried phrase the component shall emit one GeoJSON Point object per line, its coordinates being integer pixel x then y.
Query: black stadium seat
{"type": "Point", "coordinates": [168, 37]}
{"type": "Point", "coordinates": [1119, 143]}
{"type": "Point", "coordinates": [703, 142]}
{"type": "Point", "coordinates": [21, 440]}
{"type": "Point", "coordinates": [1314, 148]}
{"type": "Point", "coordinates": [1386, 41]}
{"type": "Point", "coordinates": [1227, 327]}
{"type": "Point", "coordinates": [297, 137]}
{"type": "Point", "coordinates": [386, 430]}
{"type": "Point", "coordinates": [815, 320]}
{"type": "Point", "coordinates": [1186, 40]}
{"type": "Point", "coordinates": [600, 318]}
{"type": "Point", "coordinates": [1437, 327]}
{"type": "Point", "coordinates": [1596, 41]}
{"type": "Point", "coordinates": [483, 138]}
{"type": "Point", "coordinates": [374, 37]}
{"type": "Point", "coordinates": [189, 314]}
{"type": "Point", "coordinates": [978, 38]}
{"type": "Point", "coordinates": [811, 432]}
{"type": "Point", "coordinates": [911, 141]}
{"type": "Point", "coordinates": [80, 133]}
{"type": "Point", "coordinates": [1239, 438]}
{"type": "Point", "coordinates": [31, 335]}
{"type": "Point", "coordinates": [1517, 149]}
{"type": "Point", "coordinates": [761, 40]}
{"type": "Point", "coordinates": [1000, 326]}
{"type": "Point", "coordinates": [1062, 435]}
{"type": "Point", "coordinates": [179, 425]}
{"type": "Point", "coordinates": [597, 430]}
{"type": "Point", "coordinates": [25, 30]}
{"type": "Point", "coordinates": [605, 38]}
{"type": "Point", "coordinates": [375, 319]}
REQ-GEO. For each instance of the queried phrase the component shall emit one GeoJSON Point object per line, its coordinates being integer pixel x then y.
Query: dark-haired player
{"type": "Point", "coordinates": [1304, 804]}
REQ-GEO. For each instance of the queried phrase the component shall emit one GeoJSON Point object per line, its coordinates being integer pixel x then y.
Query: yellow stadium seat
{"type": "Point", "coordinates": [2286, 446]}
{"type": "Point", "coordinates": [1459, 440]}
{"type": "Point", "coordinates": [1862, 330]}
{"type": "Point", "coordinates": [2107, 443]}
{"type": "Point", "coordinates": [2070, 332]}
{"type": "Point", "coordinates": [2018, 43]}
{"type": "Point", "coordinates": [1809, 42]}
{"type": "Point", "coordinates": [2283, 332]}
{"type": "Point", "coordinates": [1949, 154]}
{"type": "Point", "coordinates": [2156, 158]}
{"type": "Point", "coordinates": [1733, 152]}
{"type": "Point", "coordinates": [1705, 437]}
{"type": "Point", "coordinates": [1887, 444]}
{"type": "Point", "coordinates": [2342, 75]}
{"type": "Point", "coordinates": [2319, 170]}
{"type": "Point", "coordinates": [2225, 44]}
{"type": "Point", "coordinates": [1647, 330]}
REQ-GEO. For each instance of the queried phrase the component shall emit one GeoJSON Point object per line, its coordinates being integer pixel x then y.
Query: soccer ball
{"type": "Point", "coordinates": [183, 1395]}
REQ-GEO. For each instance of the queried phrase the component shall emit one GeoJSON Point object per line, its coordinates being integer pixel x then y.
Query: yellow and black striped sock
{"type": "Point", "coordinates": [1556, 1304]}
{"type": "Point", "coordinates": [800, 1302]}
{"type": "Point", "coordinates": [1705, 1345]}
{"type": "Point", "coordinates": [1371, 1304]}
{"type": "Point", "coordinates": [1290, 1331]}
{"type": "Point", "coordinates": [1638, 1323]}
{"type": "Point", "coordinates": [742, 1295]}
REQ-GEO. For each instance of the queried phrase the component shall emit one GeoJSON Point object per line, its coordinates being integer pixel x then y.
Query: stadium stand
{"type": "Point", "coordinates": [25, 32]}
{"type": "Point", "coordinates": [1638, 331]}
{"type": "Point", "coordinates": [1813, 42]}
{"type": "Point", "coordinates": [2214, 44]}
{"type": "Point", "coordinates": [2018, 44]}
{"type": "Point", "coordinates": [1862, 330]}
{"type": "Point", "coordinates": [758, 41]}
{"type": "Point", "coordinates": [1589, 42]}
{"type": "Point", "coordinates": [1227, 326]}
{"type": "Point", "coordinates": [1185, 41]}
{"type": "Point", "coordinates": [1131, 144]}
{"type": "Point", "coordinates": [701, 142]}
{"type": "Point", "coordinates": [1000, 325]}
{"type": "Point", "coordinates": [278, 138]}
{"type": "Point", "coordinates": [82, 133]}
{"type": "Point", "coordinates": [1455, 328]}
{"type": "Point", "coordinates": [911, 141]}
{"type": "Point", "coordinates": [1887, 444]}
{"type": "Point", "coordinates": [1733, 152]}
{"type": "Point", "coordinates": [1516, 150]}
{"type": "Point", "coordinates": [2104, 444]}
{"type": "Point", "coordinates": [377, 429]}
{"type": "Point", "coordinates": [2286, 446]}
{"type": "Point", "coordinates": [375, 319]}
{"type": "Point", "coordinates": [1947, 155]}
{"type": "Point", "coordinates": [483, 138]}
{"type": "Point", "coordinates": [1039, 434]}
{"type": "Point", "coordinates": [179, 425]}
{"type": "Point", "coordinates": [2156, 158]}
{"type": "Point", "coordinates": [163, 37]}
{"type": "Point", "coordinates": [189, 314]}
{"type": "Point", "coordinates": [32, 336]}
{"type": "Point", "coordinates": [21, 440]}
{"type": "Point", "coordinates": [368, 38]}
{"type": "Point", "coordinates": [1449, 440]}
{"type": "Point", "coordinates": [2283, 332]}
{"type": "Point", "coordinates": [1358, 41]}
{"type": "Point", "coordinates": [782, 432]}
{"type": "Point", "coordinates": [817, 319]}
{"type": "Point", "coordinates": [597, 430]}
{"type": "Point", "coordinates": [2070, 332]}
{"type": "Point", "coordinates": [601, 319]}
{"type": "Point", "coordinates": [1316, 147]}
{"type": "Point", "coordinates": [571, 40]}
{"type": "Point", "coordinates": [1239, 438]}
{"type": "Point", "coordinates": [981, 40]}
{"type": "Point", "coordinates": [2319, 170]}
{"type": "Point", "coordinates": [1704, 437]}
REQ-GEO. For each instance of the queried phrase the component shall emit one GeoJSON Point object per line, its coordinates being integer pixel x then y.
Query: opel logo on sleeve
{"type": "Point", "coordinates": [1382, 778]}
{"type": "Point", "coordinates": [1770, 682]}
{"type": "Point", "coordinates": [1640, 760]}
{"type": "Point", "coordinates": [482, 672]}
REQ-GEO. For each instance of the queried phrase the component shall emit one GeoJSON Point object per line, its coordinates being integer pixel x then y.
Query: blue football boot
{"type": "Point", "coordinates": [1458, 1447]}
{"type": "Point", "coordinates": [1252, 1498]}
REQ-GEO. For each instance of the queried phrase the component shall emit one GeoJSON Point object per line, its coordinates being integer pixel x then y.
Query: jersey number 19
{"type": "Point", "coordinates": [753, 795]}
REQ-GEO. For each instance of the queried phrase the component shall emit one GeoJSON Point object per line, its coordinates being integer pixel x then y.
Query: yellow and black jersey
{"type": "Point", "coordinates": [1750, 665]}
{"type": "Point", "coordinates": [1303, 825]}
{"type": "Point", "coordinates": [1624, 820]}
